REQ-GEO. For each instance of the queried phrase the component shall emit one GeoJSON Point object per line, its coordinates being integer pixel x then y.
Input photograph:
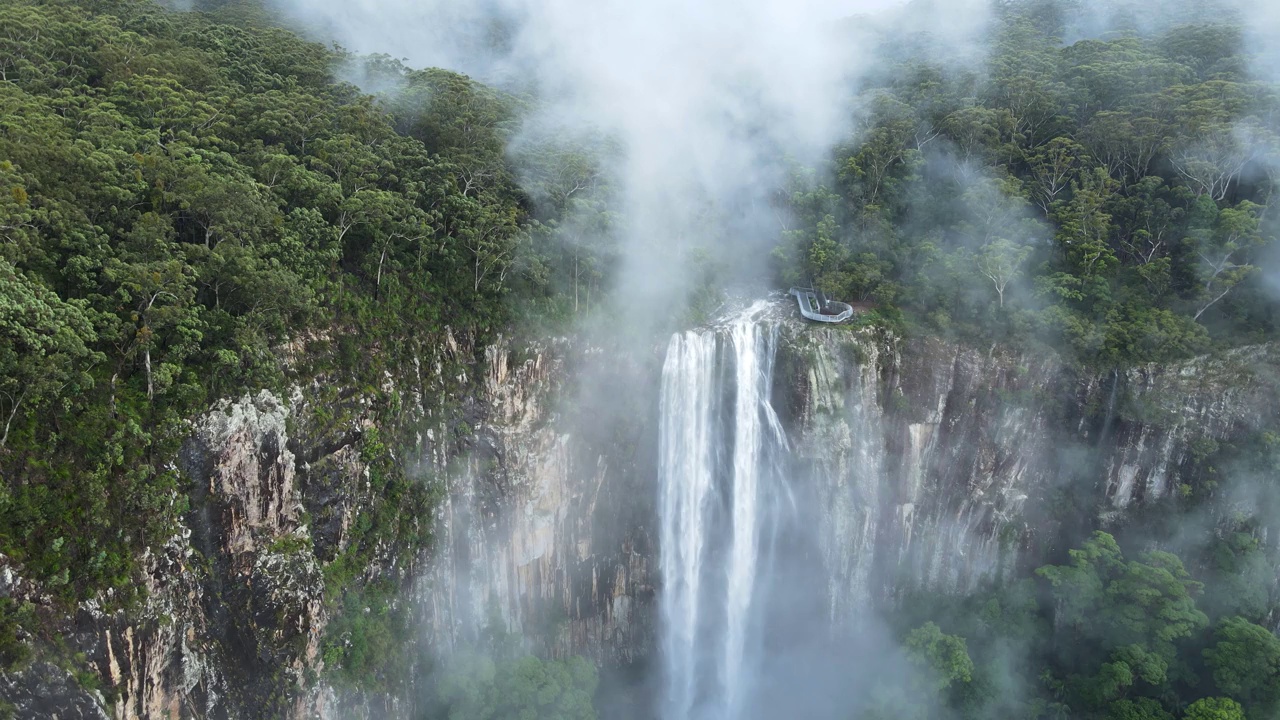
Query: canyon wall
{"type": "Point", "coordinates": [947, 466]}
{"type": "Point", "coordinates": [924, 464]}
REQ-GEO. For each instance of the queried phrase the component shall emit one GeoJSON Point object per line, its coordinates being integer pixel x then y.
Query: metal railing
{"type": "Point", "coordinates": [817, 308]}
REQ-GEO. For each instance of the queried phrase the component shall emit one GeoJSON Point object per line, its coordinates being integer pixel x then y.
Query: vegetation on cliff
{"type": "Point", "coordinates": [191, 207]}
{"type": "Point", "coordinates": [1107, 197]}
{"type": "Point", "coordinates": [1104, 636]}
{"type": "Point", "coordinates": [195, 204]}
{"type": "Point", "coordinates": [510, 684]}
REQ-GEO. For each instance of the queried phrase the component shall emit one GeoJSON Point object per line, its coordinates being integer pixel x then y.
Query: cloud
{"type": "Point", "coordinates": [710, 102]}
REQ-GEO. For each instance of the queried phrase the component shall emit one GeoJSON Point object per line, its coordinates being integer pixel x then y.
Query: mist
{"type": "Point", "coordinates": [712, 104]}
{"type": "Point", "coordinates": [710, 108]}
{"type": "Point", "coordinates": [708, 112]}
{"type": "Point", "coordinates": [410, 359]}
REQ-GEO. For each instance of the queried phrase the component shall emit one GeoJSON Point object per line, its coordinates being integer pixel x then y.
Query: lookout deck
{"type": "Point", "coordinates": [815, 306]}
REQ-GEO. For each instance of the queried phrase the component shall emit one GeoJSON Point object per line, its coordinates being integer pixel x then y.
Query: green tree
{"type": "Point", "coordinates": [943, 659]}
{"type": "Point", "coordinates": [1137, 709]}
{"type": "Point", "coordinates": [1223, 250]}
{"type": "Point", "coordinates": [887, 144]}
{"type": "Point", "coordinates": [1125, 143]}
{"type": "Point", "coordinates": [1213, 708]}
{"type": "Point", "coordinates": [1084, 231]}
{"type": "Point", "coordinates": [1025, 69]}
{"type": "Point", "coordinates": [45, 346]}
{"type": "Point", "coordinates": [1149, 602]}
{"type": "Point", "coordinates": [826, 256]}
{"type": "Point", "coordinates": [976, 130]}
{"type": "Point", "coordinates": [1053, 168]}
{"type": "Point", "coordinates": [999, 261]}
{"type": "Point", "coordinates": [1245, 662]}
{"type": "Point", "coordinates": [476, 687]}
{"type": "Point", "coordinates": [1211, 162]}
{"type": "Point", "coordinates": [1115, 678]}
{"type": "Point", "coordinates": [1241, 577]}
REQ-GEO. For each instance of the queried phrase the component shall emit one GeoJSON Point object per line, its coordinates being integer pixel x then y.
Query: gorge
{"type": "Point", "coordinates": [338, 384]}
{"type": "Point", "coordinates": [735, 517]}
{"type": "Point", "coordinates": [801, 481]}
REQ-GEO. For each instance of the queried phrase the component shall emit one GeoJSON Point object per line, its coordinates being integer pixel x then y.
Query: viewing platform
{"type": "Point", "coordinates": [815, 306]}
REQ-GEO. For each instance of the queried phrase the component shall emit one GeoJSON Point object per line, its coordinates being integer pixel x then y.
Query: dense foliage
{"type": "Point", "coordinates": [195, 204]}
{"type": "Point", "coordinates": [1103, 636]}
{"type": "Point", "coordinates": [480, 687]}
{"type": "Point", "coordinates": [1108, 196]}
{"type": "Point", "coordinates": [180, 199]}
{"type": "Point", "coordinates": [190, 208]}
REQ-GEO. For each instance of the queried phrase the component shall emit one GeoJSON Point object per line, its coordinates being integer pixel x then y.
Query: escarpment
{"type": "Point", "coordinates": [936, 466]}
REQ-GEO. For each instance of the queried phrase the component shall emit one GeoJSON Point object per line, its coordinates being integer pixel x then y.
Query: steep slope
{"type": "Point", "coordinates": [934, 464]}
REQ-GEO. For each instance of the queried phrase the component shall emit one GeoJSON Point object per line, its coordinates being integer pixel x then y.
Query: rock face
{"type": "Point", "coordinates": [45, 690]}
{"type": "Point", "coordinates": [945, 466]}
{"type": "Point", "coordinates": [233, 613]}
{"type": "Point", "coordinates": [543, 527]}
{"type": "Point", "coordinates": [263, 596]}
{"type": "Point", "coordinates": [928, 464]}
{"type": "Point", "coordinates": [546, 530]}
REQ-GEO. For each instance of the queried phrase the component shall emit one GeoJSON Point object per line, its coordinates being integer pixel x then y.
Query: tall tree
{"type": "Point", "coordinates": [999, 261]}
{"type": "Point", "coordinates": [1223, 249]}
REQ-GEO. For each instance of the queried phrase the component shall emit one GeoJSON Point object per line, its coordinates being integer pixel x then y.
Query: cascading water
{"type": "Point", "coordinates": [722, 496]}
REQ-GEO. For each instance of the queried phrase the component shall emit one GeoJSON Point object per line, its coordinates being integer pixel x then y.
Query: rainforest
{"type": "Point", "coordinates": [433, 360]}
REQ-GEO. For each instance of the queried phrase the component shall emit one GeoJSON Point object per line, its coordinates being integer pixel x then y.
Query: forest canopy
{"type": "Point", "coordinates": [1108, 197]}
{"type": "Point", "coordinates": [182, 198]}
{"type": "Point", "coordinates": [198, 204]}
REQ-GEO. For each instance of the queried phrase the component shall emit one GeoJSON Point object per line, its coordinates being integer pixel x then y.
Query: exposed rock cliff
{"type": "Point", "coordinates": [539, 528]}
{"type": "Point", "coordinates": [932, 464]}
{"type": "Point", "coordinates": [263, 594]}
{"type": "Point", "coordinates": [546, 529]}
{"type": "Point", "coordinates": [231, 623]}
{"type": "Point", "coordinates": [945, 466]}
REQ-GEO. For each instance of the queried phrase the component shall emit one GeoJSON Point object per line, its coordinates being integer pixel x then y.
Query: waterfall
{"type": "Point", "coordinates": [721, 498]}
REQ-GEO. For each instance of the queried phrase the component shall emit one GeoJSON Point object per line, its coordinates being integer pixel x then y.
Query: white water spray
{"type": "Point", "coordinates": [721, 494]}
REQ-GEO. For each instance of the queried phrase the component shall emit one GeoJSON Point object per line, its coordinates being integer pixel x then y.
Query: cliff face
{"type": "Point", "coordinates": [546, 528]}
{"type": "Point", "coordinates": [930, 465]}
{"type": "Point", "coordinates": [946, 466]}
{"type": "Point", "coordinates": [540, 527]}
{"type": "Point", "coordinates": [233, 612]}
{"type": "Point", "coordinates": [263, 594]}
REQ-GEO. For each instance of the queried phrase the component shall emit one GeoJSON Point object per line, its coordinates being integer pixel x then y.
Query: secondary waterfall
{"type": "Point", "coordinates": [722, 497]}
